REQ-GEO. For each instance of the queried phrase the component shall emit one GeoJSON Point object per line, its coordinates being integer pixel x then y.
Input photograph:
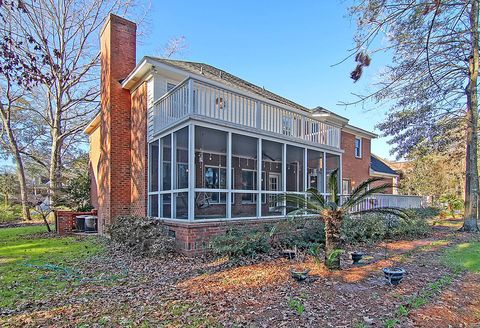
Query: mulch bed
{"type": "Point", "coordinates": [202, 292]}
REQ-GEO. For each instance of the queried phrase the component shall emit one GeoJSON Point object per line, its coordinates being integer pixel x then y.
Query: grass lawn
{"type": "Point", "coordinates": [30, 263]}
{"type": "Point", "coordinates": [465, 256]}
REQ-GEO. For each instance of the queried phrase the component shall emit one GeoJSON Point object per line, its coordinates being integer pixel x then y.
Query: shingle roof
{"type": "Point", "coordinates": [379, 166]}
{"type": "Point", "coordinates": [221, 76]}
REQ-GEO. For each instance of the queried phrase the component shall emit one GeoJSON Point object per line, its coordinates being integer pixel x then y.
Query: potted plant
{"type": "Point", "coordinates": [299, 274]}
{"type": "Point", "coordinates": [394, 275]}
{"type": "Point", "coordinates": [356, 257]}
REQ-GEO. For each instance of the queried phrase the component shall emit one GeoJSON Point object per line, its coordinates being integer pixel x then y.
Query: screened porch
{"type": "Point", "coordinates": [201, 172]}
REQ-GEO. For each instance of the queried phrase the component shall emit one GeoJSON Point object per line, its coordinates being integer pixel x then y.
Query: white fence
{"type": "Point", "coordinates": [201, 98]}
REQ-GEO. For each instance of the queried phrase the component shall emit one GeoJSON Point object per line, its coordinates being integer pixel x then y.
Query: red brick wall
{"type": "Point", "coordinates": [194, 238]}
{"type": "Point", "coordinates": [139, 151]}
{"type": "Point", "coordinates": [383, 181]}
{"type": "Point", "coordinates": [118, 47]}
{"type": "Point", "coordinates": [353, 168]}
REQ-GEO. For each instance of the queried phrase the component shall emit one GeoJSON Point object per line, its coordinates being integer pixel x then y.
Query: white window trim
{"type": "Point", "coordinates": [360, 148]}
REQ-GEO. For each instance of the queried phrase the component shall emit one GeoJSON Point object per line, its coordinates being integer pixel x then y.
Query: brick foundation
{"type": "Point", "coordinates": [65, 221]}
{"type": "Point", "coordinates": [193, 238]}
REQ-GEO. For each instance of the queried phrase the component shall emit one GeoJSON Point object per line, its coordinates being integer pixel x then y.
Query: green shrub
{"type": "Point", "coordinates": [142, 236]}
{"type": "Point", "coordinates": [375, 227]}
{"type": "Point", "coordinates": [240, 242]}
{"type": "Point", "coordinates": [298, 232]}
{"type": "Point", "coordinates": [424, 213]}
{"type": "Point", "coordinates": [9, 213]}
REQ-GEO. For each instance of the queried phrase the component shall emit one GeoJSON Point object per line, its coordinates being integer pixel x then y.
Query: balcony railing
{"type": "Point", "coordinates": [194, 97]}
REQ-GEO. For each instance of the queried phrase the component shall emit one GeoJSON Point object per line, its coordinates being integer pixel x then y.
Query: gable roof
{"type": "Point", "coordinates": [380, 166]}
{"type": "Point", "coordinates": [221, 76]}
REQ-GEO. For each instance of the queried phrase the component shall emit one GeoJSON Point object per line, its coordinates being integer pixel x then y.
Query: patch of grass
{"type": "Point", "coordinates": [419, 300]}
{"type": "Point", "coordinates": [390, 323]}
{"type": "Point", "coordinates": [296, 304]}
{"type": "Point", "coordinates": [463, 257]}
{"type": "Point", "coordinates": [24, 248]}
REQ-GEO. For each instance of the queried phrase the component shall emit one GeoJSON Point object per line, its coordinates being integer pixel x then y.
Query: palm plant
{"type": "Point", "coordinates": [333, 210]}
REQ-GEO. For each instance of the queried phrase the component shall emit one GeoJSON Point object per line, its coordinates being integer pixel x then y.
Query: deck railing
{"type": "Point", "coordinates": [387, 200]}
{"type": "Point", "coordinates": [195, 97]}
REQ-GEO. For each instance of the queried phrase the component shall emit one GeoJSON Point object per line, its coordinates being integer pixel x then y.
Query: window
{"type": "Point", "coordinates": [358, 147]}
{"type": "Point", "coordinates": [287, 125]}
{"type": "Point", "coordinates": [170, 86]}
{"type": "Point", "coordinates": [346, 187]}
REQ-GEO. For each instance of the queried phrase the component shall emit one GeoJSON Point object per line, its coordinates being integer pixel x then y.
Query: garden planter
{"type": "Point", "coordinates": [300, 274]}
{"type": "Point", "coordinates": [356, 257]}
{"type": "Point", "coordinates": [394, 275]}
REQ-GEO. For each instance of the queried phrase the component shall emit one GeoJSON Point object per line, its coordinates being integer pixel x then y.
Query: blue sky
{"type": "Point", "coordinates": [286, 46]}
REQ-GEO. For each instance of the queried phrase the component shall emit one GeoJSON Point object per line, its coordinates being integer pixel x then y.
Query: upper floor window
{"type": "Point", "coordinates": [287, 125]}
{"type": "Point", "coordinates": [358, 147]}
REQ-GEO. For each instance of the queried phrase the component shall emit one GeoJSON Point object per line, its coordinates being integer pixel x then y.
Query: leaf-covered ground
{"type": "Point", "coordinates": [112, 289]}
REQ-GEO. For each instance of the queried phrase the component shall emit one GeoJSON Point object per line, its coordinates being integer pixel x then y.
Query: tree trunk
{"type": "Point", "coordinates": [471, 176]}
{"type": "Point", "coordinates": [20, 170]}
{"type": "Point", "coordinates": [54, 175]}
{"type": "Point", "coordinates": [333, 242]}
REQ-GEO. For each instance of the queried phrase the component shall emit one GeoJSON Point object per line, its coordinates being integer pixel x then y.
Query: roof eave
{"type": "Point", "coordinates": [361, 132]}
{"type": "Point", "coordinates": [92, 126]}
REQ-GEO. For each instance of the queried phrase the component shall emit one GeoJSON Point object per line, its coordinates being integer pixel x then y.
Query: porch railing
{"type": "Point", "coordinates": [195, 97]}
{"type": "Point", "coordinates": [387, 200]}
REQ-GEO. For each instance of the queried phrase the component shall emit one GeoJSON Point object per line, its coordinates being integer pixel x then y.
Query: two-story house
{"type": "Point", "coordinates": [197, 146]}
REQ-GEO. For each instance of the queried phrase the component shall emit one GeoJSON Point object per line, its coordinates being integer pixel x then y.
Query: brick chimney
{"type": "Point", "coordinates": [118, 52]}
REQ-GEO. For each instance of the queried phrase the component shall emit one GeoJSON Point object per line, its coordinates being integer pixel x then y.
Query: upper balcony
{"type": "Point", "coordinates": [201, 99]}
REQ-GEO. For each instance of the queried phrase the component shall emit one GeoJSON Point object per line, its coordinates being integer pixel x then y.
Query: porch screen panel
{"type": "Point", "coordinates": [153, 166]}
{"type": "Point", "coordinates": [244, 165]}
{"type": "Point", "coordinates": [332, 164]}
{"type": "Point", "coordinates": [181, 158]}
{"type": "Point", "coordinates": [295, 170]}
{"type": "Point", "coordinates": [210, 173]}
{"type": "Point", "coordinates": [272, 165]}
{"type": "Point", "coordinates": [315, 170]}
{"type": "Point", "coordinates": [166, 167]}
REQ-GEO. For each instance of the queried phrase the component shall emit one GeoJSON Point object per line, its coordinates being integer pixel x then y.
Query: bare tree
{"type": "Point", "coordinates": [67, 33]}
{"type": "Point", "coordinates": [21, 61]}
{"type": "Point", "coordinates": [431, 83]}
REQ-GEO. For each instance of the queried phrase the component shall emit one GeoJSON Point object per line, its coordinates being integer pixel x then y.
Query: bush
{"type": "Point", "coordinates": [424, 213]}
{"type": "Point", "coordinates": [143, 236]}
{"type": "Point", "coordinates": [375, 227]}
{"type": "Point", "coordinates": [298, 232]}
{"type": "Point", "coordinates": [238, 242]}
{"type": "Point", "coordinates": [10, 213]}
{"type": "Point", "coordinates": [241, 242]}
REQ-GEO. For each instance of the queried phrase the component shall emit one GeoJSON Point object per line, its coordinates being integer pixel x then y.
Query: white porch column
{"type": "Point", "coordinates": [325, 173]}
{"type": "Point", "coordinates": [305, 169]}
{"type": "Point", "coordinates": [173, 182]}
{"type": "Point", "coordinates": [284, 174]}
{"type": "Point", "coordinates": [191, 172]}
{"type": "Point", "coordinates": [259, 177]}
{"type": "Point", "coordinates": [229, 175]}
